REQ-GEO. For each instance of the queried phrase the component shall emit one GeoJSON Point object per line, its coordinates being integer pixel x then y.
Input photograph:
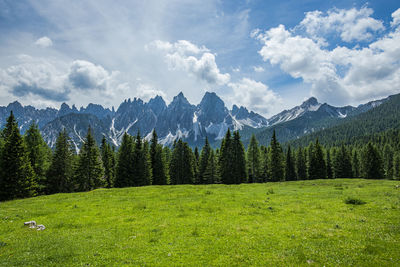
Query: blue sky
{"type": "Point", "coordinates": [265, 55]}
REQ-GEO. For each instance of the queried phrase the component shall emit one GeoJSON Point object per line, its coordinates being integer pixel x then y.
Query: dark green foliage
{"type": "Point", "coordinates": [372, 163]}
{"type": "Point", "coordinates": [141, 168]}
{"type": "Point", "coordinates": [239, 160]}
{"type": "Point", "coordinates": [276, 167]}
{"type": "Point", "coordinates": [355, 163]}
{"type": "Point", "coordinates": [301, 164]}
{"type": "Point", "coordinates": [157, 161]}
{"type": "Point", "coordinates": [354, 201]}
{"type": "Point", "coordinates": [17, 178]}
{"type": "Point", "coordinates": [59, 177]}
{"type": "Point", "coordinates": [290, 171]}
{"type": "Point", "coordinates": [203, 162]}
{"type": "Point", "coordinates": [211, 174]}
{"type": "Point", "coordinates": [196, 161]}
{"type": "Point", "coordinates": [254, 161]}
{"type": "Point", "coordinates": [396, 166]}
{"type": "Point", "coordinates": [39, 155]}
{"type": "Point", "coordinates": [329, 169]}
{"type": "Point", "coordinates": [342, 163]}
{"type": "Point", "coordinates": [317, 165]}
{"type": "Point", "coordinates": [181, 164]}
{"type": "Point", "coordinates": [225, 160]}
{"type": "Point", "coordinates": [108, 159]}
{"type": "Point", "coordinates": [264, 163]}
{"type": "Point", "coordinates": [89, 172]}
{"type": "Point", "coordinates": [124, 176]}
{"type": "Point", "coordinates": [388, 161]}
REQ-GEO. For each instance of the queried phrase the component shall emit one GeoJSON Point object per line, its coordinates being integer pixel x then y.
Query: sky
{"type": "Point", "coordinates": [265, 55]}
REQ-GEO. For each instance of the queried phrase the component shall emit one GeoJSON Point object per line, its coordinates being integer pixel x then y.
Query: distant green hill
{"type": "Point", "coordinates": [379, 122]}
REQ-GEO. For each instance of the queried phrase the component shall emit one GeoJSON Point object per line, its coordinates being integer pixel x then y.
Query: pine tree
{"type": "Point", "coordinates": [301, 164]}
{"type": "Point", "coordinates": [210, 174]}
{"type": "Point", "coordinates": [17, 178]}
{"type": "Point", "coordinates": [196, 162]}
{"type": "Point", "coordinates": [388, 160]}
{"type": "Point", "coordinates": [290, 172]}
{"type": "Point", "coordinates": [226, 167]}
{"type": "Point", "coordinates": [329, 169]}
{"type": "Point", "coordinates": [147, 163]}
{"type": "Point", "coordinates": [343, 168]}
{"type": "Point", "coordinates": [39, 155]}
{"type": "Point", "coordinates": [181, 165]}
{"type": "Point", "coordinates": [89, 172]}
{"type": "Point", "coordinates": [317, 169]}
{"type": "Point", "coordinates": [124, 175]}
{"type": "Point", "coordinates": [204, 157]}
{"type": "Point", "coordinates": [372, 164]}
{"type": "Point", "coordinates": [108, 160]}
{"type": "Point", "coordinates": [355, 163]}
{"type": "Point", "coordinates": [277, 170]}
{"type": "Point", "coordinates": [140, 171]}
{"type": "Point", "coordinates": [264, 164]}
{"type": "Point", "coordinates": [239, 159]}
{"type": "Point", "coordinates": [188, 168]}
{"type": "Point", "coordinates": [396, 166]}
{"type": "Point", "coordinates": [59, 177]}
{"type": "Point", "coordinates": [254, 161]}
{"type": "Point", "coordinates": [157, 161]}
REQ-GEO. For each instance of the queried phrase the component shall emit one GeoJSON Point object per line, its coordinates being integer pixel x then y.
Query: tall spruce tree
{"type": "Point", "coordinates": [211, 173]}
{"type": "Point", "coordinates": [17, 178]}
{"type": "Point", "coordinates": [140, 170]}
{"type": "Point", "coordinates": [329, 169]}
{"type": "Point", "coordinates": [239, 159]}
{"type": "Point", "coordinates": [396, 166]}
{"type": "Point", "coordinates": [301, 164]}
{"type": "Point", "coordinates": [388, 160]}
{"type": "Point", "coordinates": [372, 164]}
{"type": "Point", "coordinates": [124, 175]}
{"type": "Point", "coordinates": [317, 168]}
{"type": "Point", "coordinates": [355, 164]}
{"type": "Point", "coordinates": [290, 171]}
{"type": "Point", "coordinates": [39, 155]}
{"type": "Point", "coordinates": [204, 158]}
{"type": "Point", "coordinates": [157, 161]}
{"type": "Point", "coordinates": [264, 163]}
{"type": "Point", "coordinates": [343, 168]}
{"type": "Point", "coordinates": [181, 164]}
{"type": "Point", "coordinates": [226, 164]}
{"type": "Point", "coordinates": [276, 167]}
{"type": "Point", "coordinates": [108, 160]}
{"type": "Point", "coordinates": [89, 172]}
{"type": "Point", "coordinates": [59, 176]}
{"type": "Point", "coordinates": [254, 161]}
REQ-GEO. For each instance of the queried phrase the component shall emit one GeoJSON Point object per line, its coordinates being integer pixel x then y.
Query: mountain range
{"type": "Point", "coordinates": [180, 119]}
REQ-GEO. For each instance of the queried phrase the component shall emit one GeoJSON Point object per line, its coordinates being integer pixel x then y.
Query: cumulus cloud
{"type": "Point", "coordinates": [44, 42]}
{"type": "Point", "coordinates": [352, 24]}
{"type": "Point", "coordinates": [256, 95]}
{"type": "Point", "coordinates": [258, 69]}
{"type": "Point", "coordinates": [396, 18]}
{"type": "Point", "coordinates": [341, 75]}
{"type": "Point", "coordinates": [197, 61]}
{"type": "Point", "coordinates": [42, 78]}
{"type": "Point", "coordinates": [147, 91]}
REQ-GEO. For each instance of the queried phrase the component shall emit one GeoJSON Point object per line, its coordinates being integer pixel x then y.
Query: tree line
{"type": "Point", "coordinates": [28, 167]}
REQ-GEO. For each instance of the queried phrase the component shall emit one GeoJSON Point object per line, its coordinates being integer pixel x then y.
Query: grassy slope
{"type": "Point", "coordinates": [292, 223]}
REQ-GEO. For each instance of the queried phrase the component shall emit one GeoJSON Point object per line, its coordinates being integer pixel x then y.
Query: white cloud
{"type": "Point", "coordinates": [44, 42]}
{"type": "Point", "coordinates": [341, 75]}
{"type": "Point", "coordinates": [396, 18]}
{"type": "Point", "coordinates": [147, 91]}
{"type": "Point", "coordinates": [255, 95]}
{"type": "Point", "coordinates": [258, 69]}
{"type": "Point", "coordinates": [351, 24]}
{"type": "Point", "coordinates": [86, 75]}
{"type": "Point", "coordinates": [197, 61]}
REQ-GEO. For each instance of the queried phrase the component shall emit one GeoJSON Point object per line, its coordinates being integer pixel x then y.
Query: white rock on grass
{"type": "Point", "coordinates": [31, 224]}
{"type": "Point", "coordinates": [40, 227]}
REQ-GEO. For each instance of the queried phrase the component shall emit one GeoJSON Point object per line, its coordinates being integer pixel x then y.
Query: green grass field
{"type": "Point", "coordinates": [291, 223]}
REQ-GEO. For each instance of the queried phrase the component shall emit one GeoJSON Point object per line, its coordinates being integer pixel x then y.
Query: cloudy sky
{"type": "Point", "coordinates": [265, 55]}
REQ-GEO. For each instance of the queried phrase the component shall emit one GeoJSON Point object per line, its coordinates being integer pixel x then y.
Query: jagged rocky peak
{"type": "Point", "coordinates": [311, 102]}
{"type": "Point", "coordinates": [157, 104]}
{"type": "Point", "coordinates": [211, 109]}
{"type": "Point", "coordinates": [179, 100]}
{"type": "Point", "coordinates": [16, 107]}
{"type": "Point", "coordinates": [240, 113]}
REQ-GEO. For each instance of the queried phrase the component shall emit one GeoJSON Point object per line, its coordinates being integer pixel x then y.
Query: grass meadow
{"type": "Point", "coordinates": [342, 222]}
